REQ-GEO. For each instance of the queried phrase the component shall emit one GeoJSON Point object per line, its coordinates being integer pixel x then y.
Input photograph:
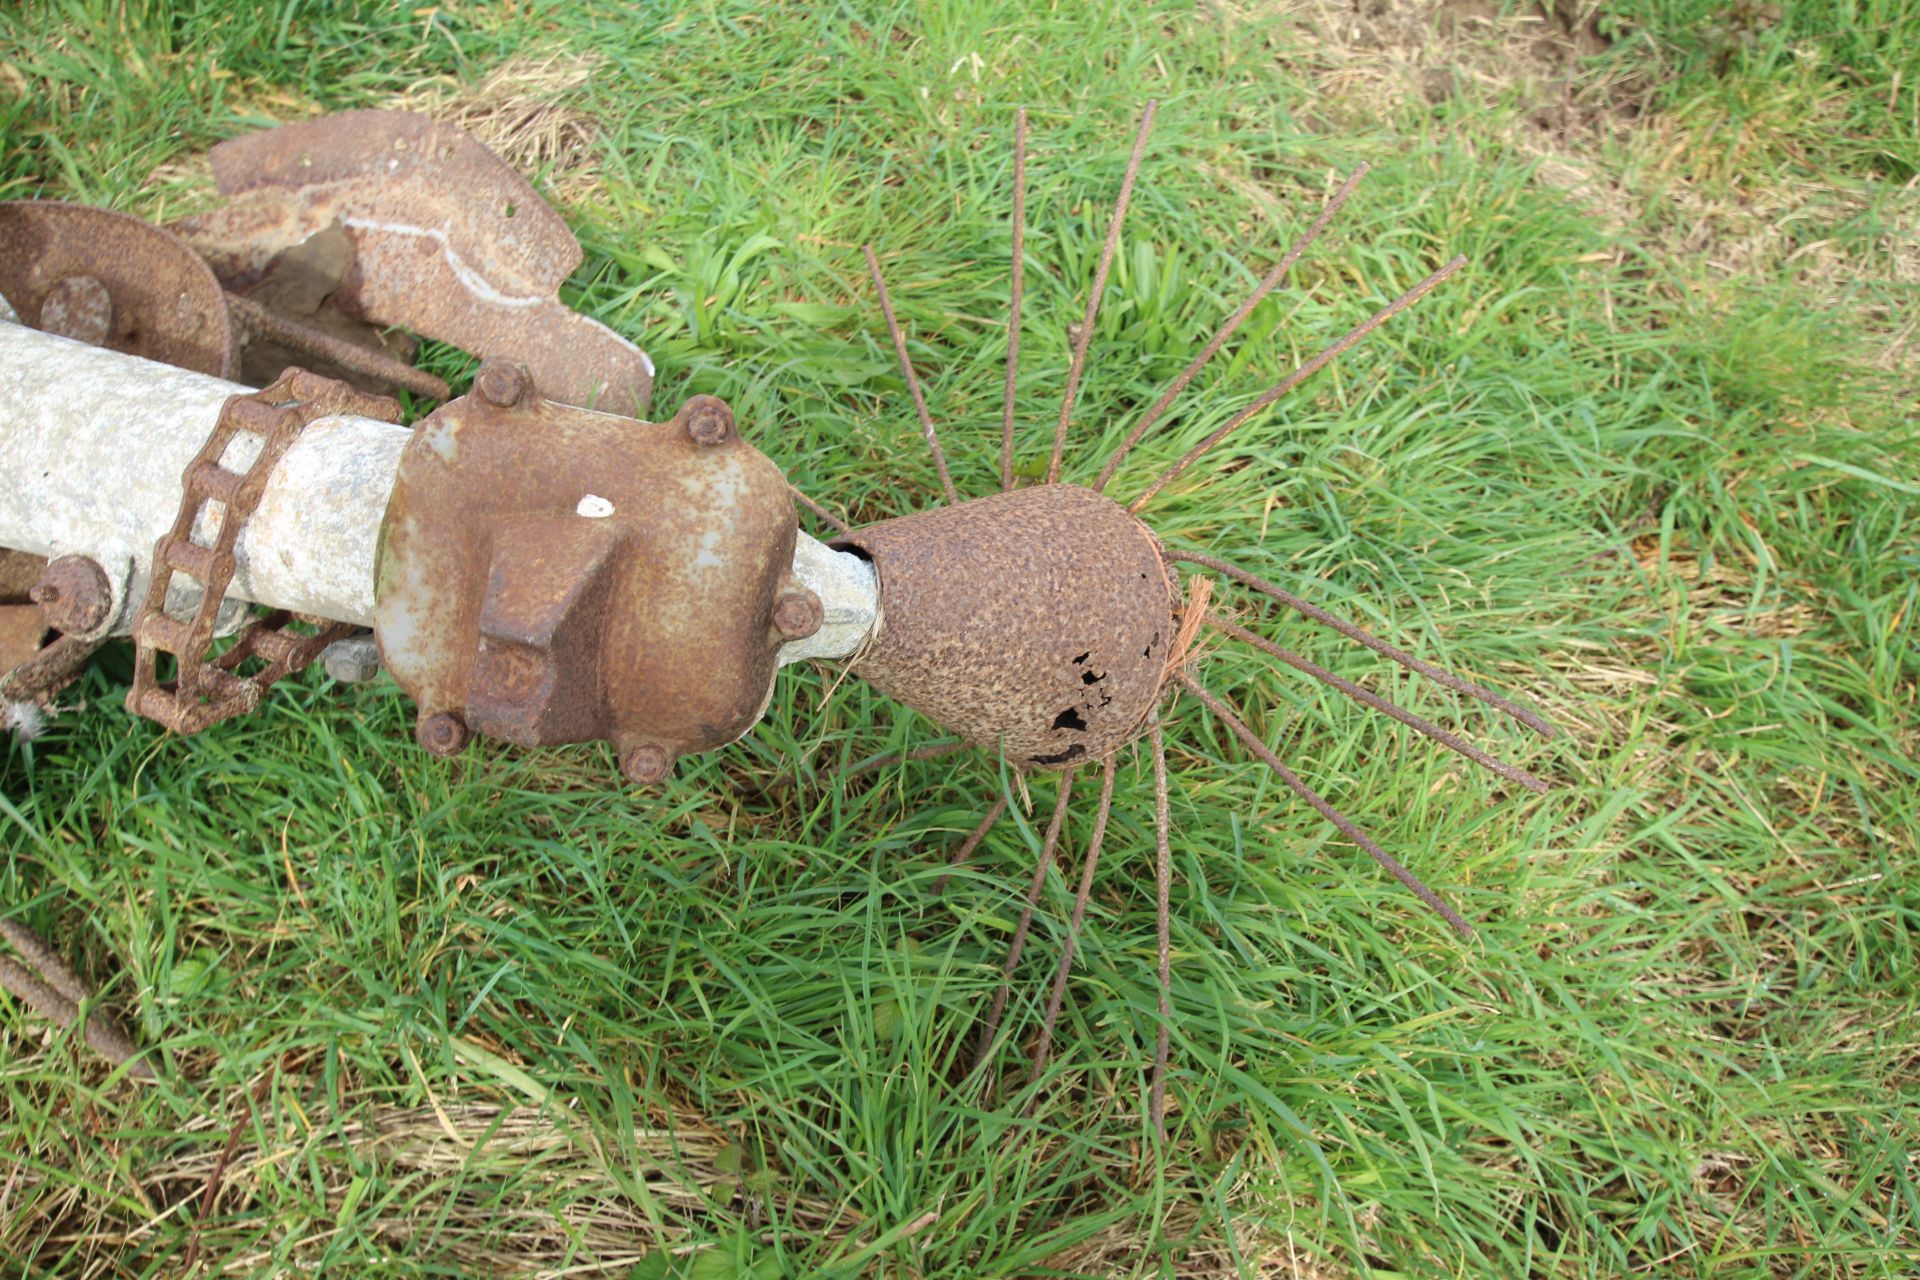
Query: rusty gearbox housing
{"type": "Point", "coordinates": [549, 574]}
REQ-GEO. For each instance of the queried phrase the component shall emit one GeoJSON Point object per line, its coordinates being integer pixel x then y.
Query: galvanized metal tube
{"type": "Point", "coordinates": [93, 444]}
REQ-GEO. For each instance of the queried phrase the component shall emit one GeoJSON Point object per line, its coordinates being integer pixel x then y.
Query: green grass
{"type": "Point", "coordinates": [1649, 464]}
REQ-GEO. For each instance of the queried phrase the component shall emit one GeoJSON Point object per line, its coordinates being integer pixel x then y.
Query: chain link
{"type": "Point", "coordinates": [209, 689]}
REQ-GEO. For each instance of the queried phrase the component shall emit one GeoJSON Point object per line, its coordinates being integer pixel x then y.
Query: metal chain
{"type": "Point", "coordinates": [207, 690]}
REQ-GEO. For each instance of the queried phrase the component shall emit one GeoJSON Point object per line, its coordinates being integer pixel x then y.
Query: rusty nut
{"type": "Point", "coordinates": [709, 421]}
{"type": "Point", "coordinates": [646, 764]}
{"type": "Point", "coordinates": [797, 614]}
{"type": "Point", "coordinates": [442, 734]}
{"type": "Point", "coordinates": [501, 384]}
{"type": "Point", "coordinates": [73, 594]}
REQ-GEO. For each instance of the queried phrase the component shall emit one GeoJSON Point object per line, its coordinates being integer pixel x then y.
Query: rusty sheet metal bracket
{"type": "Point", "coordinates": [549, 574]}
{"type": "Point", "coordinates": [448, 241]}
{"type": "Point", "coordinates": [1037, 621]}
{"type": "Point", "coordinates": [216, 504]}
{"type": "Point", "coordinates": [110, 280]}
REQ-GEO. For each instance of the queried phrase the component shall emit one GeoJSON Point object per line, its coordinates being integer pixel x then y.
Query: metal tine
{"type": "Point", "coordinates": [1013, 312]}
{"type": "Point", "coordinates": [1452, 741]}
{"type": "Point", "coordinates": [1371, 641]}
{"type": "Point", "coordinates": [48, 985]}
{"type": "Point", "coordinates": [991, 1027]}
{"type": "Point", "coordinates": [1078, 364]}
{"type": "Point", "coordinates": [972, 842]}
{"type": "Point", "coordinates": [1298, 376]}
{"type": "Point", "coordinates": [913, 383]}
{"type": "Point", "coordinates": [1234, 321]}
{"type": "Point", "coordinates": [1044, 1048]}
{"type": "Point", "coordinates": [820, 510]}
{"type": "Point", "coordinates": [1327, 811]}
{"type": "Point", "coordinates": [1163, 921]}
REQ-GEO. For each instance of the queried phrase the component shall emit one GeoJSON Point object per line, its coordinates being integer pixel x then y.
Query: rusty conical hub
{"type": "Point", "coordinates": [1038, 620]}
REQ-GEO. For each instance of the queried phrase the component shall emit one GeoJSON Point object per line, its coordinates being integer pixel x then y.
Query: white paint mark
{"type": "Point", "coordinates": [471, 280]}
{"type": "Point", "coordinates": [594, 507]}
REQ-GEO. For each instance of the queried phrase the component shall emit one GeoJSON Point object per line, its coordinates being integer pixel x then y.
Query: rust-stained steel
{"type": "Point", "coordinates": [447, 241]}
{"type": "Point", "coordinates": [111, 280]}
{"type": "Point", "coordinates": [1298, 376]}
{"type": "Point", "coordinates": [70, 595]}
{"type": "Point", "coordinates": [1233, 322]}
{"type": "Point", "coordinates": [1037, 621]}
{"type": "Point", "coordinates": [549, 574]}
{"type": "Point", "coordinates": [216, 505]}
{"type": "Point", "coordinates": [1077, 365]}
{"type": "Point", "coordinates": [266, 334]}
{"type": "Point", "coordinates": [46, 983]}
{"type": "Point", "coordinates": [73, 593]}
{"type": "Point", "coordinates": [22, 628]}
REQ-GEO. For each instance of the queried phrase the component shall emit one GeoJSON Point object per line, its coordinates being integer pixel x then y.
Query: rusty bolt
{"type": "Point", "coordinates": [79, 307]}
{"type": "Point", "coordinates": [443, 733]}
{"type": "Point", "coordinates": [797, 614]}
{"type": "Point", "coordinates": [353, 660]}
{"type": "Point", "coordinates": [73, 594]}
{"type": "Point", "coordinates": [709, 420]}
{"type": "Point", "coordinates": [500, 384]}
{"type": "Point", "coordinates": [646, 764]}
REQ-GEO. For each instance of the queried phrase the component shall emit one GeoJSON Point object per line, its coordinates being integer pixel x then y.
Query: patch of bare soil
{"type": "Point", "coordinates": [1704, 186]}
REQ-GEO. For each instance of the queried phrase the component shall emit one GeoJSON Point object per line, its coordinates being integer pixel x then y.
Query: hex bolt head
{"type": "Point", "coordinates": [442, 734]}
{"type": "Point", "coordinates": [797, 614]}
{"type": "Point", "coordinates": [353, 660]}
{"type": "Point", "coordinates": [501, 384]}
{"type": "Point", "coordinates": [73, 594]}
{"type": "Point", "coordinates": [646, 764]}
{"type": "Point", "coordinates": [709, 420]}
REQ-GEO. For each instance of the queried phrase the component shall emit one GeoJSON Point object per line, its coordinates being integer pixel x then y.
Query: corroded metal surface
{"type": "Point", "coordinates": [447, 241]}
{"type": "Point", "coordinates": [113, 281]}
{"type": "Point", "coordinates": [74, 593]}
{"type": "Point", "coordinates": [217, 503]}
{"type": "Point", "coordinates": [1037, 620]}
{"type": "Point", "coordinates": [550, 574]}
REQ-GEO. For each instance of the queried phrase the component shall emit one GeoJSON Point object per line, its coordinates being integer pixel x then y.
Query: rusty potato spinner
{"type": "Point", "coordinates": [1049, 623]}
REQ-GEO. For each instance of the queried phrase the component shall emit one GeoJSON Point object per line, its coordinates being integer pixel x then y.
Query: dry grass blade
{"type": "Point", "coordinates": [1079, 363]}
{"type": "Point", "coordinates": [1299, 376]}
{"type": "Point", "coordinates": [1227, 330]}
{"type": "Point", "coordinates": [1327, 811]}
{"type": "Point", "coordinates": [1017, 290]}
{"type": "Point", "coordinates": [1452, 741]}
{"type": "Point", "coordinates": [906, 369]}
{"type": "Point", "coordinates": [1044, 1046]}
{"type": "Point", "coordinates": [991, 1027]}
{"type": "Point", "coordinates": [1371, 641]}
{"type": "Point", "coordinates": [522, 111]}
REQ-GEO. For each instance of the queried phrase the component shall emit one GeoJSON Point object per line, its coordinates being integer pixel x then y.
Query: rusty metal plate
{"type": "Point", "coordinates": [448, 241]}
{"type": "Point", "coordinates": [22, 628]}
{"type": "Point", "coordinates": [111, 280]}
{"type": "Point", "coordinates": [549, 574]}
{"type": "Point", "coordinates": [1037, 621]}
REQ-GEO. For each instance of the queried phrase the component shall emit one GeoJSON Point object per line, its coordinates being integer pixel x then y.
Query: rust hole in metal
{"type": "Point", "coordinates": [1072, 753]}
{"type": "Point", "coordinates": [1070, 719]}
